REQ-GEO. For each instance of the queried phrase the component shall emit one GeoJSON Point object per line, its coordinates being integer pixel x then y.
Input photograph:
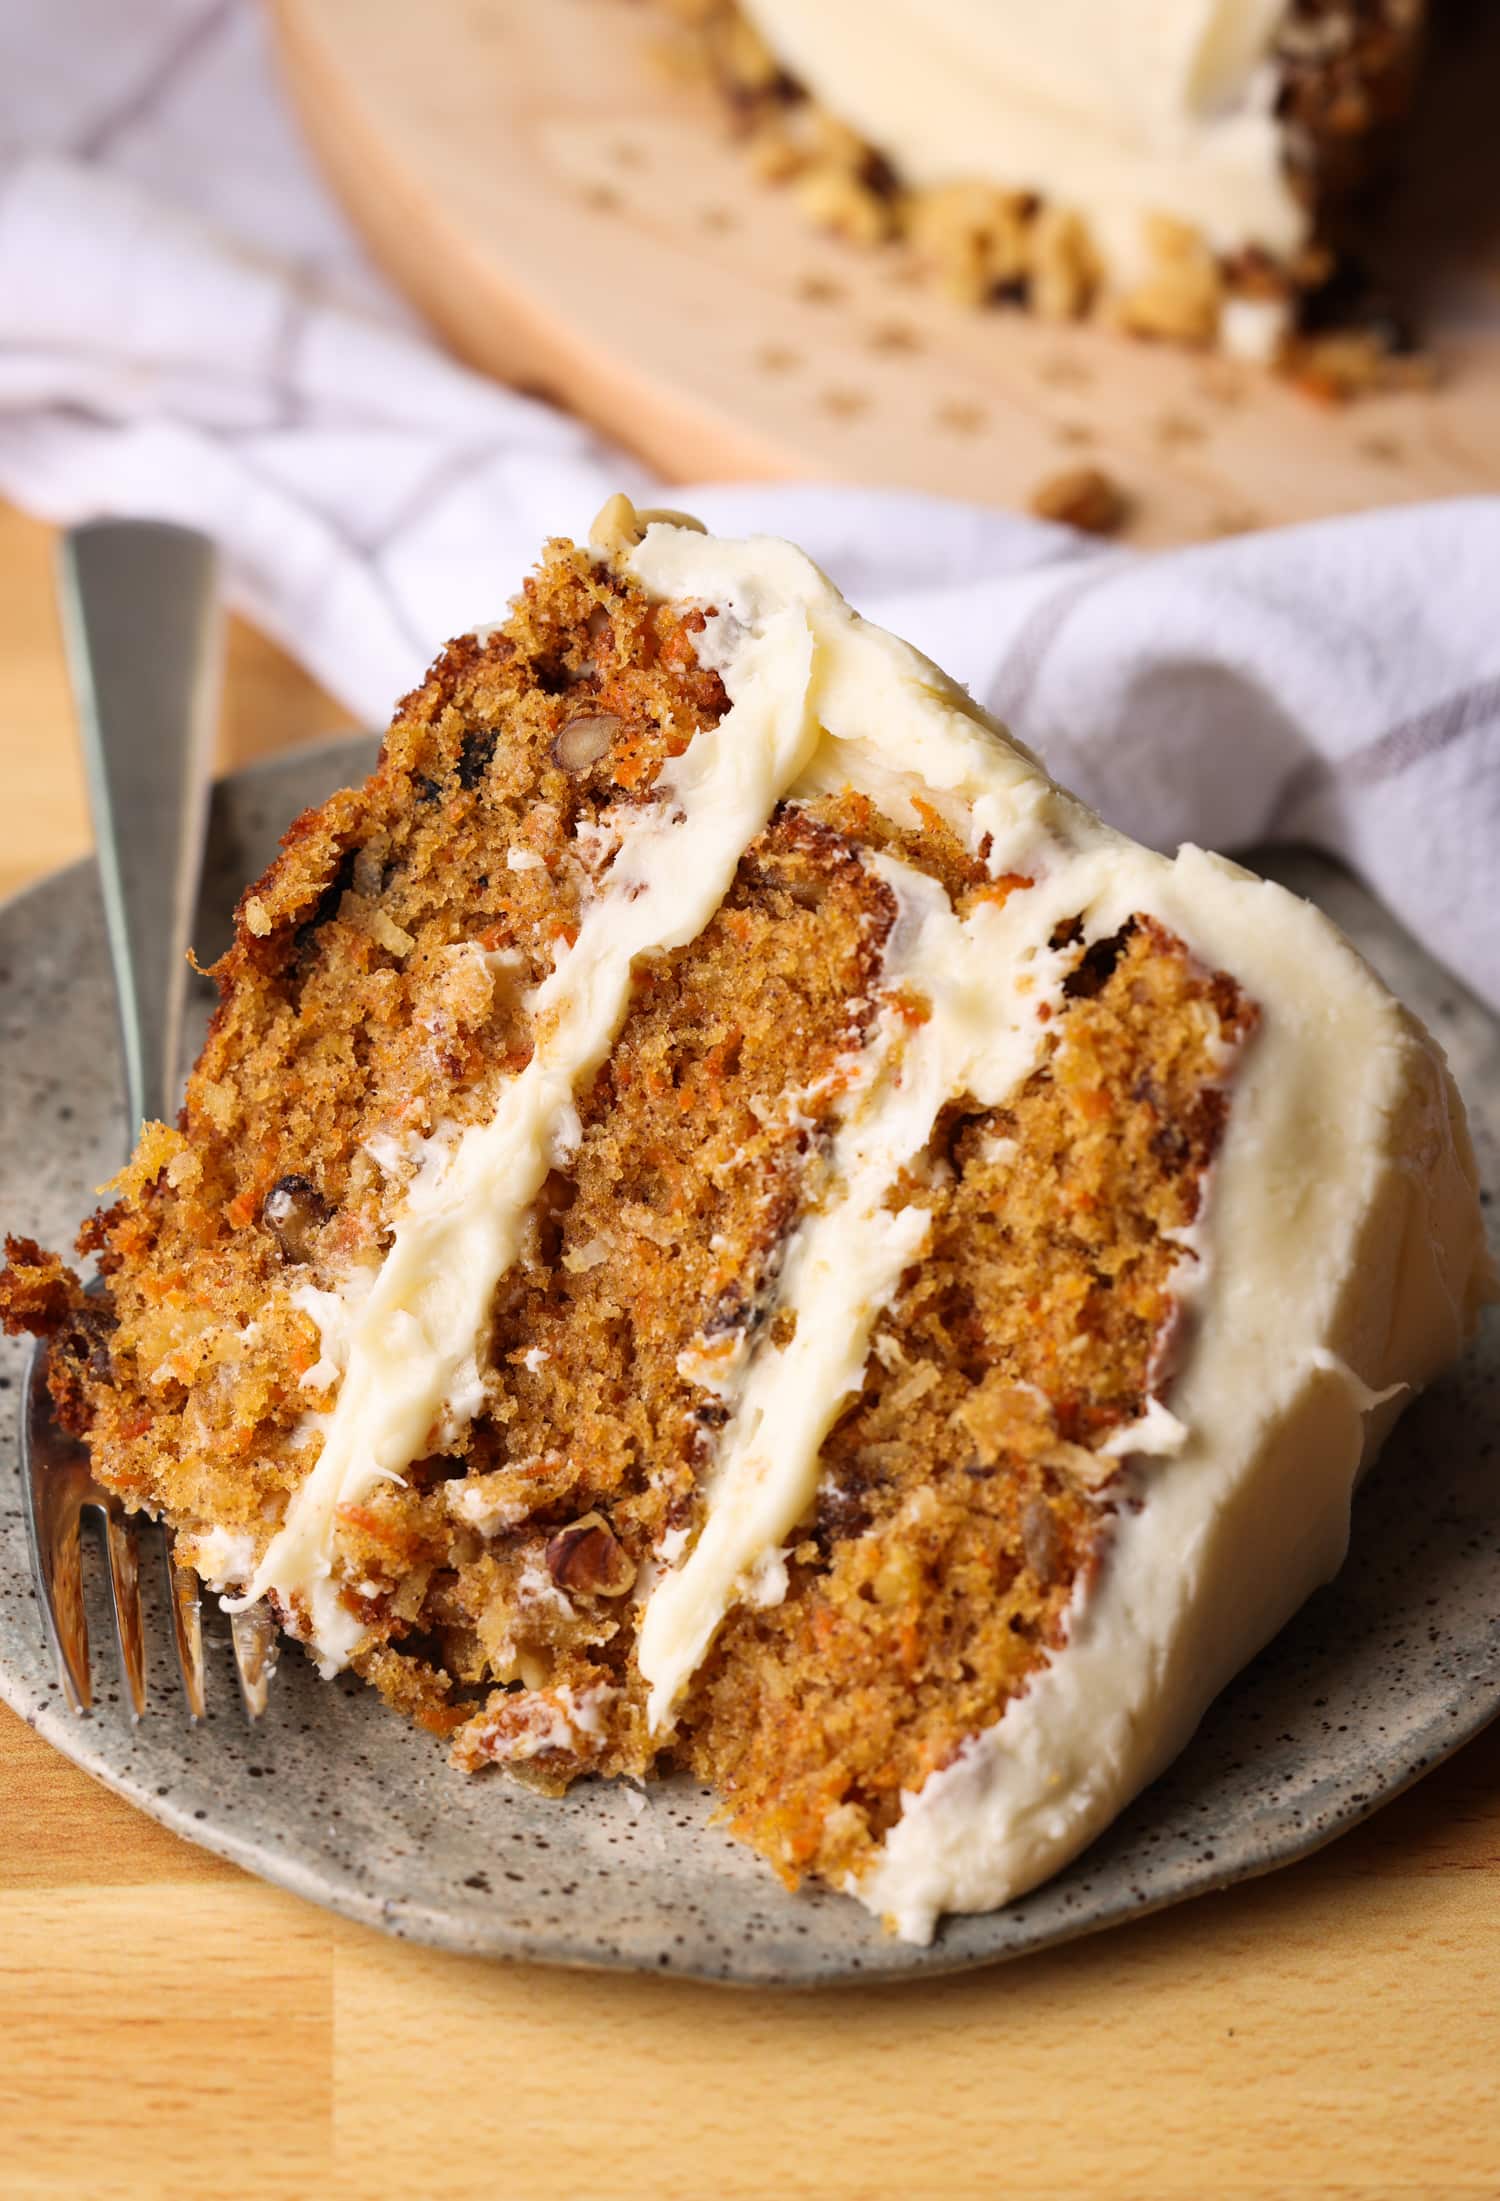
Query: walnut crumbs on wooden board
{"type": "Point", "coordinates": [575, 218]}
{"type": "Point", "coordinates": [1345, 73]}
{"type": "Point", "coordinates": [1084, 497]}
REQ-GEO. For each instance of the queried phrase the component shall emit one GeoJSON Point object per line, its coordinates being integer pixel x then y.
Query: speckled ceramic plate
{"type": "Point", "coordinates": [1382, 1674]}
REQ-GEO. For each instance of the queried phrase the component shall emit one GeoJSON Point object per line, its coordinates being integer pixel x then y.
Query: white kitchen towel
{"type": "Point", "coordinates": [188, 329]}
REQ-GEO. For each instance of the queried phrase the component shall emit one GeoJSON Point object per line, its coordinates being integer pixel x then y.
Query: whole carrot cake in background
{"type": "Point", "coordinates": [1181, 168]}
{"type": "Point", "coordinates": [725, 1221]}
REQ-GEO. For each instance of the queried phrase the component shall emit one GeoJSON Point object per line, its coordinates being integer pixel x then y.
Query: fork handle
{"type": "Point", "coordinates": [142, 631]}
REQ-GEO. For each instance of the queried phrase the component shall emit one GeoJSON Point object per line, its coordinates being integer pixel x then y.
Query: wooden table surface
{"type": "Point", "coordinates": [170, 2025]}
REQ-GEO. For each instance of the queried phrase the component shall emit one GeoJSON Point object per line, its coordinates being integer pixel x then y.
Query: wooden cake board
{"type": "Point", "coordinates": [575, 218]}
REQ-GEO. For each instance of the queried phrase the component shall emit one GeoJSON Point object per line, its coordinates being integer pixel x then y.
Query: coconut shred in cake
{"type": "Point", "coordinates": [1285, 1383]}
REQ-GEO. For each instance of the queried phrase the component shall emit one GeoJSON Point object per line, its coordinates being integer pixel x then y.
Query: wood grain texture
{"type": "Point", "coordinates": [575, 218]}
{"type": "Point", "coordinates": [171, 2025]}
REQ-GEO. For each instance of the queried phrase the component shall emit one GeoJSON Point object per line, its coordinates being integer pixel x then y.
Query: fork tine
{"type": "Point", "coordinates": [187, 1626]}
{"type": "Point", "coordinates": [60, 1578]}
{"type": "Point", "coordinates": [254, 1634]}
{"type": "Point", "coordinates": [55, 1479]}
{"type": "Point", "coordinates": [122, 1554]}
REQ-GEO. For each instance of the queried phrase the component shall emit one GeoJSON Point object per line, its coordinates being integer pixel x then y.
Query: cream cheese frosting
{"type": "Point", "coordinates": [1337, 1264]}
{"type": "Point", "coordinates": [1117, 111]}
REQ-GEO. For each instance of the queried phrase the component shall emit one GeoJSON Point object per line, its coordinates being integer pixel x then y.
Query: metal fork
{"type": "Point", "coordinates": [142, 629]}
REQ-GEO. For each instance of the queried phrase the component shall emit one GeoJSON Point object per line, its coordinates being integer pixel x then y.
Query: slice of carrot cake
{"type": "Point", "coordinates": [725, 1221]}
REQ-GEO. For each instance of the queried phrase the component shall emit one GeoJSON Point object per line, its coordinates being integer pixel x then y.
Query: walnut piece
{"type": "Point", "coordinates": [588, 1560]}
{"type": "Point", "coordinates": [584, 740]}
{"type": "Point", "coordinates": [1082, 496]}
{"type": "Point", "coordinates": [1039, 1540]}
{"type": "Point", "coordinates": [619, 526]}
{"type": "Point", "coordinates": [293, 1210]}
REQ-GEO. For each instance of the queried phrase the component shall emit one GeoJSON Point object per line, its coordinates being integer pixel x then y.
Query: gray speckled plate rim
{"type": "Point", "coordinates": [1069, 1906]}
{"type": "Point", "coordinates": [437, 1928]}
